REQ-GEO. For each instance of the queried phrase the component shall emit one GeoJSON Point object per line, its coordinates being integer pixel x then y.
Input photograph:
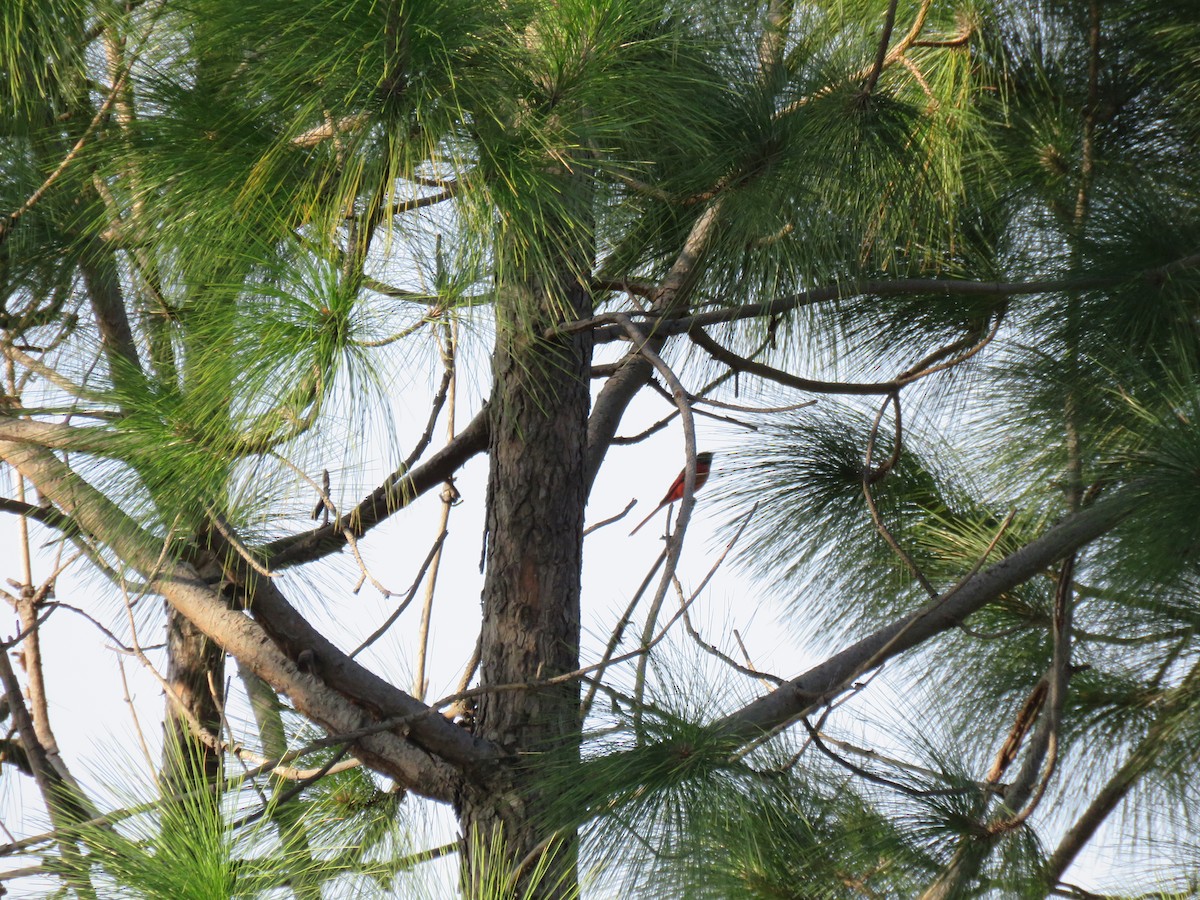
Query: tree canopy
{"type": "Point", "coordinates": [935, 263]}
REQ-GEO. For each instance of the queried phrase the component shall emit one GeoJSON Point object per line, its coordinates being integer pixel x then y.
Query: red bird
{"type": "Point", "coordinates": [703, 464]}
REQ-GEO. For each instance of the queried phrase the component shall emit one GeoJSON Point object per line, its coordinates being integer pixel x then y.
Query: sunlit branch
{"type": "Point", "coordinates": [330, 129]}
{"type": "Point", "coordinates": [40, 368]}
{"type": "Point", "coordinates": [453, 710]}
{"type": "Point", "coordinates": [104, 24]}
{"type": "Point", "coordinates": [450, 497]}
{"type": "Point", "coordinates": [238, 547]}
{"type": "Point", "coordinates": [295, 790]}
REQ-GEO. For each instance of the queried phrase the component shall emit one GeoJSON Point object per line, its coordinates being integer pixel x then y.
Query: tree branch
{"type": "Point", "coordinates": [667, 325]}
{"type": "Point", "coordinates": [1143, 758]}
{"type": "Point", "coordinates": [299, 640]}
{"type": "Point", "coordinates": [881, 55]}
{"type": "Point", "coordinates": [399, 490]}
{"type": "Point", "coordinates": [187, 592]}
{"type": "Point", "coordinates": [816, 686]}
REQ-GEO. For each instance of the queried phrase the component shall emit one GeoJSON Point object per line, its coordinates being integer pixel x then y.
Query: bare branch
{"type": "Point", "coordinates": [617, 518]}
{"type": "Point", "coordinates": [881, 55]}
{"type": "Point", "coordinates": [408, 598]}
{"type": "Point", "coordinates": [450, 498]}
{"type": "Point", "coordinates": [664, 325]}
{"type": "Point", "coordinates": [399, 490]}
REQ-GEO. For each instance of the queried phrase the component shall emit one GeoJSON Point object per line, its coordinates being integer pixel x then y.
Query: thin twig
{"type": "Point", "coordinates": [237, 545]}
{"type": "Point", "coordinates": [292, 792]}
{"type": "Point", "coordinates": [133, 714]}
{"type": "Point", "coordinates": [7, 223]}
{"type": "Point", "coordinates": [408, 598]}
{"type": "Point", "coordinates": [618, 517]}
{"type": "Point", "coordinates": [332, 509]}
{"type": "Point", "coordinates": [448, 346]}
{"type": "Point", "coordinates": [766, 677]}
{"type": "Point", "coordinates": [870, 477]}
{"type": "Point", "coordinates": [758, 410]}
{"type": "Point", "coordinates": [675, 540]}
{"type": "Point", "coordinates": [618, 632]}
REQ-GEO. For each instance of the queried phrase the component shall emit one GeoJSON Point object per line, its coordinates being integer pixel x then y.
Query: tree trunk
{"type": "Point", "coordinates": [537, 489]}
{"type": "Point", "coordinates": [196, 677]}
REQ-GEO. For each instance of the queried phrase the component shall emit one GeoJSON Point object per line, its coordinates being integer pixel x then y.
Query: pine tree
{"type": "Point", "coordinates": [971, 229]}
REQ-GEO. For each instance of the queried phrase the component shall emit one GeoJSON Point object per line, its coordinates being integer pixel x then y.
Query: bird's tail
{"type": "Point", "coordinates": [645, 520]}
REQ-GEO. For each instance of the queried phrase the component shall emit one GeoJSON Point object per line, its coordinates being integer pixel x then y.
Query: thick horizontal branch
{"type": "Point", "coordinates": [56, 436]}
{"type": "Point", "coordinates": [397, 492]}
{"type": "Point", "coordinates": [187, 592]}
{"type": "Point", "coordinates": [820, 684]}
{"type": "Point", "coordinates": [607, 330]}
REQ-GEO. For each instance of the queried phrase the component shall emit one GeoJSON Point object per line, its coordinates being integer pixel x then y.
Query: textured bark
{"type": "Point", "coordinates": [196, 678]}
{"type": "Point", "coordinates": [537, 490]}
{"type": "Point", "coordinates": [103, 283]}
{"type": "Point", "coordinates": [296, 637]}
